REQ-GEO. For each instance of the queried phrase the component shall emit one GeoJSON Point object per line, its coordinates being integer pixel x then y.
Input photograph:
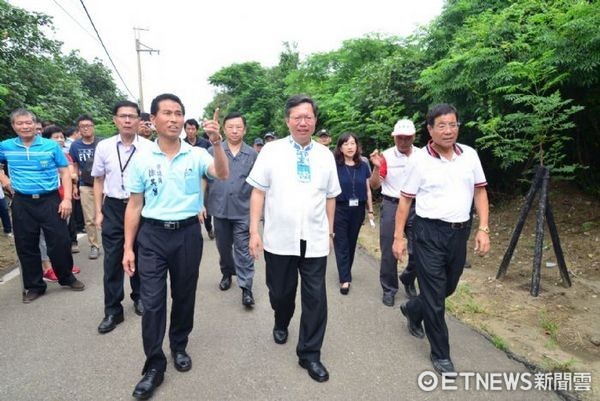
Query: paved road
{"type": "Point", "coordinates": [50, 349]}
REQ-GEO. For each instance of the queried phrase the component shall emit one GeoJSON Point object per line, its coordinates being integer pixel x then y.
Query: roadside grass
{"type": "Point", "coordinates": [462, 302]}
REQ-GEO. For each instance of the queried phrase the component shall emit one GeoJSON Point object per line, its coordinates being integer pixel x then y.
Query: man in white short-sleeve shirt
{"type": "Point", "coordinates": [445, 178]}
{"type": "Point", "coordinates": [295, 180]}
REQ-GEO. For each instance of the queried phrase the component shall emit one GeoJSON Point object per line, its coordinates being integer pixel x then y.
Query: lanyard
{"type": "Point", "coordinates": [353, 179]}
{"type": "Point", "coordinates": [121, 167]}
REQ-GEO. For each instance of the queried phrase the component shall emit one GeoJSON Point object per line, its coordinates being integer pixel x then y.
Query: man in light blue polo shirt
{"type": "Point", "coordinates": [165, 200]}
{"type": "Point", "coordinates": [35, 165]}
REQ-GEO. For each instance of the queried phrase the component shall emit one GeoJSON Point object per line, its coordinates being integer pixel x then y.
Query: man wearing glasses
{"type": "Point", "coordinates": [111, 165]}
{"type": "Point", "coordinates": [445, 178]}
{"type": "Point", "coordinates": [295, 180]}
{"type": "Point", "coordinates": [82, 152]}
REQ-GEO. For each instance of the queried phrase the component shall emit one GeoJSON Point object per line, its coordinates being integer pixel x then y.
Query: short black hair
{"type": "Point", "coordinates": [69, 131]}
{"type": "Point", "coordinates": [84, 117]}
{"type": "Point", "coordinates": [191, 121]}
{"type": "Point", "coordinates": [145, 116]}
{"type": "Point", "coordinates": [440, 110]}
{"type": "Point", "coordinates": [125, 103]}
{"type": "Point", "coordinates": [51, 129]}
{"type": "Point", "coordinates": [160, 98]}
{"type": "Point", "coordinates": [297, 100]}
{"type": "Point", "coordinates": [234, 114]}
{"type": "Point", "coordinates": [337, 153]}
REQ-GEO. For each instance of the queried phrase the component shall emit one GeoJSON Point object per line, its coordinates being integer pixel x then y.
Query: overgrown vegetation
{"type": "Point", "coordinates": [36, 75]}
{"type": "Point", "coordinates": [523, 74]}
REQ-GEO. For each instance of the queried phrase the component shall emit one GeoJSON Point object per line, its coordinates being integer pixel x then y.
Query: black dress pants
{"type": "Point", "coordinates": [282, 281]}
{"type": "Point", "coordinates": [113, 237]}
{"type": "Point", "coordinates": [29, 216]}
{"type": "Point", "coordinates": [346, 226]}
{"type": "Point", "coordinates": [440, 258]}
{"type": "Point", "coordinates": [177, 252]}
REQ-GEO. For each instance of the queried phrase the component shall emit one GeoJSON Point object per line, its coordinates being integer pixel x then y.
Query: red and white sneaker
{"type": "Point", "coordinates": [49, 275]}
{"type": "Point", "coordinates": [76, 269]}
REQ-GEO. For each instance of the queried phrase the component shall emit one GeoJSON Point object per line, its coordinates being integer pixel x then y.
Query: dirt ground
{"type": "Point", "coordinates": [560, 329]}
{"type": "Point", "coordinates": [557, 331]}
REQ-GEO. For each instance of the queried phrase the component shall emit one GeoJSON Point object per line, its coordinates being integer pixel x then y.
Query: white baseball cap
{"type": "Point", "coordinates": [404, 127]}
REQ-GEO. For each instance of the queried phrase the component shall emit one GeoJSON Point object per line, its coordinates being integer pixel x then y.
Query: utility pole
{"type": "Point", "coordinates": [140, 47]}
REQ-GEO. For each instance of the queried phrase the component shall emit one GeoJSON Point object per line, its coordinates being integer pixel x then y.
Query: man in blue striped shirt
{"type": "Point", "coordinates": [34, 166]}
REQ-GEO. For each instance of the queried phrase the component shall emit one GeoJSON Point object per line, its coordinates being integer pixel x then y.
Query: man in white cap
{"type": "Point", "coordinates": [389, 169]}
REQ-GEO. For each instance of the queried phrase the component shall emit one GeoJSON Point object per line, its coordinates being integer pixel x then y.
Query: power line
{"type": "Point", "coordinates": [75, 20]}
{"type": "Point", "coordinates": [105, 49]}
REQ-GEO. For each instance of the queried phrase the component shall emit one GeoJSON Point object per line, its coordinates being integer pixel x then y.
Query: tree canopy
{"type": "Point", "coordinates": [35, 74]}
{"type": "Point", "coordinates": [523, 74]}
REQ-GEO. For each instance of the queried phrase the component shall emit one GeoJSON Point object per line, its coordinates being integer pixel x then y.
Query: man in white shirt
{"type": "Point", "coordinates": [446, 178]}
{"type": "Point", "coordinates": [389, 172]}
{"type": "Point", "coordinates": [295, 180]}
{"type": "Point", "coordinates": [112, 160]}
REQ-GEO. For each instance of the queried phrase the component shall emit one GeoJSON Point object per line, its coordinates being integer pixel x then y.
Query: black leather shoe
{"type": "Point", "coordinates": [442, 365]}
{"type": "Point", "coordinates": [414, 328]}
{"type": "Point", "coordinates": [316, 370]}
{"type": "Point", "coordinates": [138, 307]}
{"type": "Point", "coordinates": [30, 296]}
{"type": "Point", "coordinates": [345, 290]}
{"type": "Point", "coordinates": [388, 299]}
{"type": "Point", "coordinates": [280, 335]}
{"type": "Point", "coordinates": [145, 388]}
{"type": "Point", "coordinates": [109, 323]}
{"type": "Point", "coordinates": [247, 298]}
{"type": "Point", "coordinates": [225, 282]}
{"type": "Point", "coordinates": [182, 361]}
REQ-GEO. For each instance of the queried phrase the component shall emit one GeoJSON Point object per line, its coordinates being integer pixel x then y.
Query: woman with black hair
{"type": "Point", "coordinates": [350, 206]}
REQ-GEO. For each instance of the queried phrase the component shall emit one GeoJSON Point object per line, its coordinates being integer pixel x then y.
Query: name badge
{"type": "Point", "coordinates": [353, 202]}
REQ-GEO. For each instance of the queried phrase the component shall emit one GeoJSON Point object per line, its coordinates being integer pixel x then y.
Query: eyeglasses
{"type": "Point", "coordinates": [128, 116]}
{"type": "Point", "coordinates": [297, 119]}
{"type": "Point", "coordinates": [85, 126]}
{"type": "Point", "coordinates": [443, 126]}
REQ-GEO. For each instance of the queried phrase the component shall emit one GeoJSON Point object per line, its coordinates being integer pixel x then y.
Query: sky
{"type": "Point", "coordinates": [198, 38]}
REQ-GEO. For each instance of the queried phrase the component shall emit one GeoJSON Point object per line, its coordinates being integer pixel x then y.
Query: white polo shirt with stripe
{"type": "Point", "coordinates": [444, 188]}
{"type": "Point", "coordinates": [393, 170]}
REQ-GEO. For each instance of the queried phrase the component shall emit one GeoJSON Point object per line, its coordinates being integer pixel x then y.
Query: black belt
{"type": "Point", "coordinates": [390, 198]}
{"type": "Point", "coordinates": [173, 224]}
{"type": "Point", "coordinates": [36, 196]}
{"type": "Point", "coordinates": [454, 226]}
{"type": "Point", "coordinates": [119, 200]}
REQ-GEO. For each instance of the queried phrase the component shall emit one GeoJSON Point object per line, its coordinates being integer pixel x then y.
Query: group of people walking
{"type": "Point", "coordinates": [292, 201]}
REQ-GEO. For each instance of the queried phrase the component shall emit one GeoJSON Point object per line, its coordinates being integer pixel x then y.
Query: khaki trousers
{"type": "Point", "coordinates": [89, 215]}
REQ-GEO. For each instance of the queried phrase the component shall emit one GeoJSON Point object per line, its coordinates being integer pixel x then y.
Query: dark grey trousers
{"type": "Point", "coordinates": [233, 236]}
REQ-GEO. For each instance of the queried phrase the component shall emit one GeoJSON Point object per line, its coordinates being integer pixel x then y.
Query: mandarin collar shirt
{"type": "Point", "coordinates": [296, 188]}
{"type": "Point", "coordinates": [107, 165]}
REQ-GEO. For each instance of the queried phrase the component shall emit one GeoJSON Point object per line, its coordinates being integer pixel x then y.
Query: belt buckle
{"type": "Point", "coordinates": [456, 226]}
{"type": "Point", "coordinates": [171, 225]}
{"type": "Point", "coordinates": [35, 196]}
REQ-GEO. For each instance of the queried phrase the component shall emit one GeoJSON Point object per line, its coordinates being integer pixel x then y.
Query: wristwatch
{"type": "Point", "coordinates": [485, 229]}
